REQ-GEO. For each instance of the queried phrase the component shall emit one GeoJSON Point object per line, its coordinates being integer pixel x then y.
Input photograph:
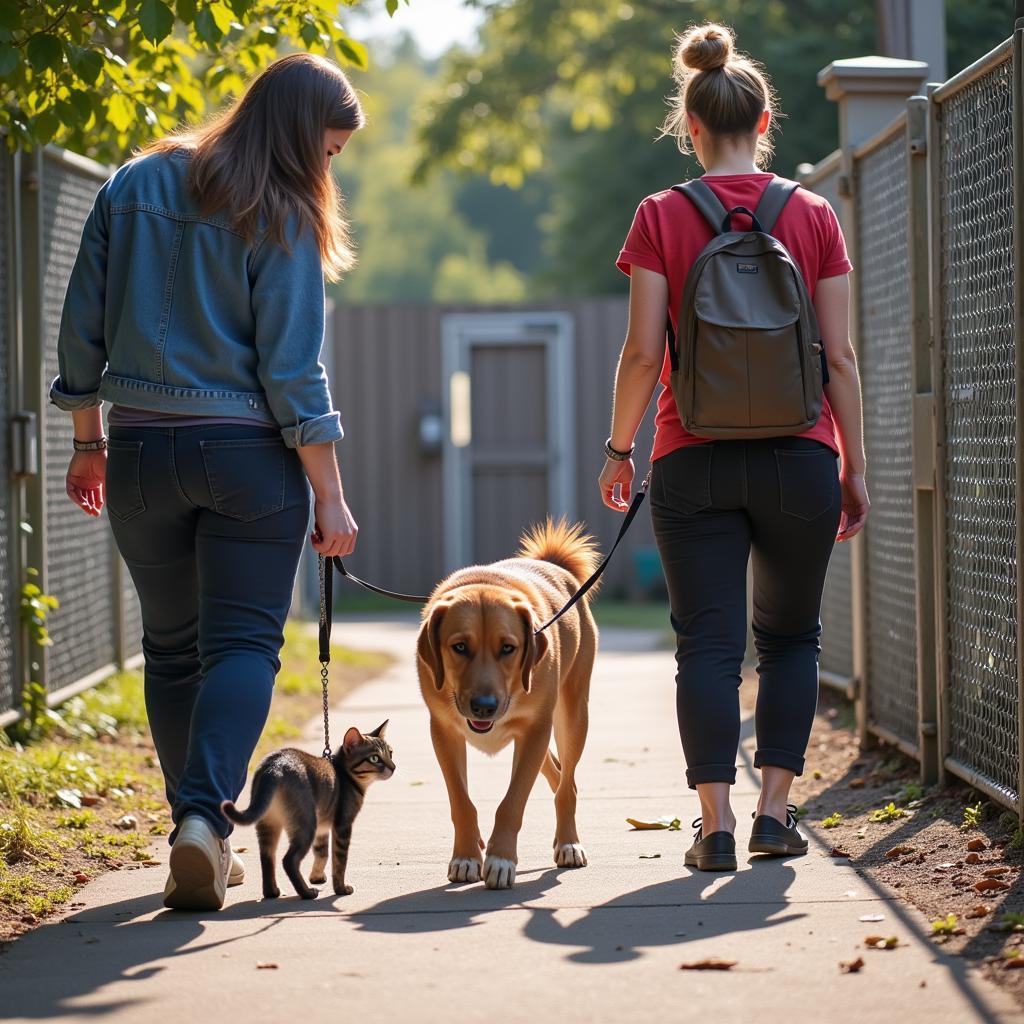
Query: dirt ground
{"type": "Point", "coordinates": [930, 852]}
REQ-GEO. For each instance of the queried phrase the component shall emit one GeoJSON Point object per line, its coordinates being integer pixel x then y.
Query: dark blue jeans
{"type": "Point", "coordinates": [210, 521]}
{"type": "Point", "coordinates": [714, 506]}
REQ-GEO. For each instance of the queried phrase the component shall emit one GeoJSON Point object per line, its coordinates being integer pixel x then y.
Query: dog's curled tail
{"type": "Point", "coordinates": [564, 544]}
{"type": "Point", "coordinates": [259, 801]}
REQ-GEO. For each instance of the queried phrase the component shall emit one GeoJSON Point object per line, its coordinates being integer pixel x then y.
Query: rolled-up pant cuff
{"type": "Point", "coordinates": [702, 773]}
{"type": "Point", "coordinates": [779, 759]}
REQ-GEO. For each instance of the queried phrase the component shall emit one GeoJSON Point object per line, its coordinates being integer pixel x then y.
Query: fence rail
{"type": "Point", "coordinates": [938, 240]}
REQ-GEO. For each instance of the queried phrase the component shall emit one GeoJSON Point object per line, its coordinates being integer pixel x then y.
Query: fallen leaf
{"type": "Point", "coordinates": [1014, 962]}
{"type": "Point", "coordinates": [995, 872]}
{"type": "Point", "coordinates": [649, 856]}
{"type": "Point", "coordinates": [981, 910]}
{"type": "Point", "coordinates": [990, 885]}
{"type": "Point", "coordinates": [265, 965]}
{"type": "Point", "coordinates": [91, 800]}
{"type": "Point", "coordinates": [851, 966]}
{"type": "Point", "coordinates": [871, 917]}
{"type": "Point", "coordinates": [240, 849]}
{"type": "Point", "coordinates": [837, 851]}
{"type": "Point", "coordinates": [70, 797]}
{"type": "Point", "coordinates": [976, 844]}
{"type": "Point", "coordinates": [81, 877]}
{"type": "Point", "coordinates": [881, 942]}
{"type": "Point", "coordinates": [943, 867]}
{"type": "Point", "coordinates": [672, 824]}
{"type": "Point", "coordinates": [972, 858]}
{"type": "Point", "coordinates": [151, 863]}
{"type": "Point", "coordinates": [857, 784]}
{"type": "Point", "coordinates": [899, 851]}
{"type": "Point", "coordinates": [127, 823]}
{"type": "Point", "coordinates": [711, 963]}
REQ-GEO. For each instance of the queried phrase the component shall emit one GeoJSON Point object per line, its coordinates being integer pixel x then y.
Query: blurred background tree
{"type": "Point", "coordinates": [101, 76]}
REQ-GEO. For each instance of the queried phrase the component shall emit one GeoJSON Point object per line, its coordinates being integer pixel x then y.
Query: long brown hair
{"type": "Point", "coordinates": [262, 159]}
{"type": "Point", "coordinates": [725, 90]}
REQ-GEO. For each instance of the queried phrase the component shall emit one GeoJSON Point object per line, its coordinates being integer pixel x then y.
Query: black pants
{"type": "Point", "coordinates": [713, 505]}
{"type": "Point", "coordinates": [210, 521]}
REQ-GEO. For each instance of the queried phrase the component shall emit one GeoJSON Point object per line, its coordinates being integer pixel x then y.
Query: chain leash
{"type": "Point", "coordinates": [324, 658]}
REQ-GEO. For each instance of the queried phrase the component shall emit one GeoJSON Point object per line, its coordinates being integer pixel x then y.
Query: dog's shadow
{"type": "Point", "coordinates": [666, 913]}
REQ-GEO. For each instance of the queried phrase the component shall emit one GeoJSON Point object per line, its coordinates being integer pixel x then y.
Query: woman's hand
{"type": "Point", "coordinates": [336, 530]}
{"type": "Point", "coordinates": [855, 505]}
{"type": "Point", "coordinates": [86, 481]}
{"type": "Point", "coordinates": [616, 476]}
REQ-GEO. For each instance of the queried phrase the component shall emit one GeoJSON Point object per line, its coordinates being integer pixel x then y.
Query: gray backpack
{"type": "Point", "coordinates": [750, 361]}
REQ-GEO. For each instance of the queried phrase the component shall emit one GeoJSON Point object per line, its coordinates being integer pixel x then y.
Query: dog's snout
{"type": "Point", "coordinates": [483, 707]}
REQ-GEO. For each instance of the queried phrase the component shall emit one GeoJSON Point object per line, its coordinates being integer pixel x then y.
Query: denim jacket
{"type": "Point", "coordinates": [170, 310]}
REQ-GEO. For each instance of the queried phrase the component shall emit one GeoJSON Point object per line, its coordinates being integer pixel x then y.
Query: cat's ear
{"type": "Point", "coordinates": [428, 644]}
{"type": "Point", "coordinates": [535, 645]}
{"type": "Point", "coordinates": [352, 739]}
{"type": "Point", "coordinates": [379, 731]}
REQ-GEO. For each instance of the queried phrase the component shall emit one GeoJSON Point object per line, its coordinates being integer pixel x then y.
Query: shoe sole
{"type": "Point", "coordinates": [775, 847]}
{"type": "Point", "coordinates": [711, 862]}
{"type": "Point", "coordinates": [195, 880]}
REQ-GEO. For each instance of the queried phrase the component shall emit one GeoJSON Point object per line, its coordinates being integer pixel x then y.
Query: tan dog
{"type": "Point", "coordinates": [487, 679]}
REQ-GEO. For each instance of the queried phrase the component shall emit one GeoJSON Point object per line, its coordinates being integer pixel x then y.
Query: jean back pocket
{"type": "Point", "coordinates": [124, 485]}
{"type": "Point", "coordinates": [807, 481]}
{"type": "Point", "coordinates": [245, 476]}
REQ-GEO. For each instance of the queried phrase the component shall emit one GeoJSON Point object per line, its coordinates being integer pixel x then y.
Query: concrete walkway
{"type": "Point", "coordinates": [599, 944]}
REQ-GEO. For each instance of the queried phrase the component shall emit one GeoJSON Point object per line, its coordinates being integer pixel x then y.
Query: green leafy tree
{"type": "Point", "coordinates": [100, 76]}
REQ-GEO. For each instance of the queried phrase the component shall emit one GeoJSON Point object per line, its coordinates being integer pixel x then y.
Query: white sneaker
{"type": "Point", "coordinates": [200, 863]}
{"type": "Point", "coordinates": [236, 874]}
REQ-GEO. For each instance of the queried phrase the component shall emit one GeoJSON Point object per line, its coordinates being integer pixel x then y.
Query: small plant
{"type": "Point", "coordinates": [972, 815]}
{"type": "Point", "coordinates": [909, 793]}
{"type": "Point", "coordinates": [1008, 821]}
{"type": "Point", "coordinates": [801, 812]}
{"type": "Point", "coordinates": [1011, 922]}
{"type": "Point", "coordinates": [34, 606]}
{"type": "Point", "coordinates": [832, 821]}
{"type": "Point", "coordinates": [77, 819]}
{"type": "Point", "coordinates": [947, 925]}
{"type": "Point", "coordinates": [1017, 841]}
{"type": "Point", "coordinates": [888, 813]}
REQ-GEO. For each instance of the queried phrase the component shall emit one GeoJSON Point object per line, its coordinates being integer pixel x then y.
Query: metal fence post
{"type": "Point", "coordinates": [1018, 326]}
{"type": "Point", "coordinates": [33, 386]}
{"type": "Point", "coordinates": [923, 433]}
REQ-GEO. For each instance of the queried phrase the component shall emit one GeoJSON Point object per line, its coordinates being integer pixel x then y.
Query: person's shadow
{"type": "Point", "coordinates": [667, 913]}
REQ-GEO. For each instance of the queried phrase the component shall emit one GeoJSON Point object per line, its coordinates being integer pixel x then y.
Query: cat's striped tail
{"type": "Point", "coordinates": [259, 802]}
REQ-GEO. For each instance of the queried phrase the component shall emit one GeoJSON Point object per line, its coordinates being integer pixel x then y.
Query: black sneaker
{"type": "Point", "coordinates": [769, 835]}
{"type": "Point", "coordinates": [716, 852]}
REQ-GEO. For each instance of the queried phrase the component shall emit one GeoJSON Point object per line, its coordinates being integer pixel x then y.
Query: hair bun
{"type": "Point", "coordinates": [706, 47]}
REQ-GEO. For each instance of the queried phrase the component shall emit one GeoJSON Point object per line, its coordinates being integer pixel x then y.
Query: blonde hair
{"type": "Point", "coordinates": [725, 90]}
{"type": "Point", "coordinates": [263, 159]}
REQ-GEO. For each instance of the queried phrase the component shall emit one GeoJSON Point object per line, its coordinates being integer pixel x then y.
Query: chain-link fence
{"type": "Point", "coordinates": [976, 338]}
{"type": "Point", "coordinates": [96, 629]}
{"type": "Point", "coordinates": [883, 316]}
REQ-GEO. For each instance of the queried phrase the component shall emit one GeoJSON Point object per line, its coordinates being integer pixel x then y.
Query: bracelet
{"type": "Point", "coordinates": [614, 454]}
{"type": "Point", "coordinates": [99, 445]}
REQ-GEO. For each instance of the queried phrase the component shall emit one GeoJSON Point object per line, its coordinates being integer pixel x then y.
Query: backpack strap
{"type": "Point", "coordinates": [773, 199]}
{"type": "Point", "coordinates": [706, 201]}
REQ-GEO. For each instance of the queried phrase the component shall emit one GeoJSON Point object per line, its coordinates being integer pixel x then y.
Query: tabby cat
{"type": "Point", "coordinates": [311, 797]}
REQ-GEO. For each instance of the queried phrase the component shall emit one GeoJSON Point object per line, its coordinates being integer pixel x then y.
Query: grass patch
{"type": "Point", "coordinates": [619, 614]}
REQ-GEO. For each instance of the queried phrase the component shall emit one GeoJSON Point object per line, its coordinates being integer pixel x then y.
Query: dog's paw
{"type": "Point", "coordinates": [499, 873]}
{"type": "Point", "coordinates": [343, 890]}
{"type": "Point", "coordinates": [310, 894]}
{"type": "Point", "coordinates": [464, 869]}
{"type": "Point", "coordinates": [318, 879]}
{"type": "Point", "coordinates": [571, 855]}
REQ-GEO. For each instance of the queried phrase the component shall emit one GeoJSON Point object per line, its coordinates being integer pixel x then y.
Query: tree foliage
{"type": "Point", "coordinates": [100, 76]}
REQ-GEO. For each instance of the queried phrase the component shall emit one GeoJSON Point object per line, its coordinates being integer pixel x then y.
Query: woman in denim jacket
{"type": "Point", "coordinates": [196, 307]}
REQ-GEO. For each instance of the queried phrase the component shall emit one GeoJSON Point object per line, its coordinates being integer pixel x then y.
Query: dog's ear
{"type": "Point", "coordinates": [428, 645]}
{"type": "Point", "coordinates": [535, 645]}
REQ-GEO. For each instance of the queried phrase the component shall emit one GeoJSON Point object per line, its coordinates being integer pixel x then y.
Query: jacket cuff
{"type": "Point", "coordinates": [70, 402]}
{"type": "Point", "coordinates": [321, 430]}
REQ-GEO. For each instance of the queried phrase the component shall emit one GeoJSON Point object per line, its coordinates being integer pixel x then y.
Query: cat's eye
{"type": "Point", "coordinates": [460, 648]}
{"type": "Point", "coordinates": [507, 648]}
{"type": "Point", "coordinates": [374, 759]}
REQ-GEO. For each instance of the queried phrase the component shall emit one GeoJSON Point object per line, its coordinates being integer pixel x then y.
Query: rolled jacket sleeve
{"type": "Point", "coordinates": [81, 343]}
{"type": "Point", "coordinates": [288, 307]}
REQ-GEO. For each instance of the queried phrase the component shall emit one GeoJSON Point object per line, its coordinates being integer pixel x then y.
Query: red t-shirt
{"type": "Point", "coordinates": [668, 234]}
